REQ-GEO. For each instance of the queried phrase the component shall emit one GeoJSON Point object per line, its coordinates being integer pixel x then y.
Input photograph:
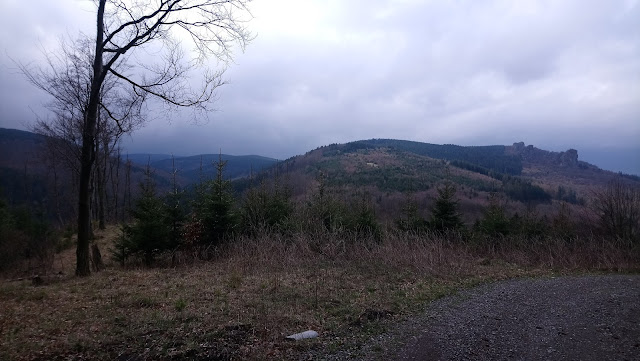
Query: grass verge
{"type": "Point", "coordinates": [242, 304]}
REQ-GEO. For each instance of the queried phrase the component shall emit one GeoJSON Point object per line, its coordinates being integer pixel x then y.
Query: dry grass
{"type": "Point", "coordinates": [241, 305]}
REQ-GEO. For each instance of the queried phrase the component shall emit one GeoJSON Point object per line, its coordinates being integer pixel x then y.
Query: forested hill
{"type": "Point", "coordinates": [388, 171]}
{"type": "Point", "coordinates": [492, 158]}
{"type": "Point", "coordinates": [192, 169]}
{"type": "Point", "coordinates": [383, 171]}
{"type": "Point", "coordinates": [17, 147]}
{"type": "Point", "coordinates": [495, 161]}
{"type": "Point", "coordinates": [7, 134]}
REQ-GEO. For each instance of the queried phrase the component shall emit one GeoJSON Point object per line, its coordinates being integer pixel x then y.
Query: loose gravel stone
{"type": "Point", "coordinates": [593, 317]}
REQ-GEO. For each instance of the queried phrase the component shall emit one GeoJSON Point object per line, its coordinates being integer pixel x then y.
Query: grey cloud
{"type": "Point", "coordinates": [552, 73]}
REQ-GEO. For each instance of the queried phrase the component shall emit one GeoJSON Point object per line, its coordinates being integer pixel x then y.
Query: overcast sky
{"type": "Point", "coordinates": [556, 74]}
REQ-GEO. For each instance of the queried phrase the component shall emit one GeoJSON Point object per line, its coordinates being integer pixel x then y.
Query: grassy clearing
{"type": "Point", "coordinates": [241, 305]}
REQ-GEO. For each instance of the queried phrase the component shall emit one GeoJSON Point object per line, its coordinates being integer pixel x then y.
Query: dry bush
{"type": "Point", "coordinates": [452, 254]}
{"type": "Point", "coordinates": [618, 207]}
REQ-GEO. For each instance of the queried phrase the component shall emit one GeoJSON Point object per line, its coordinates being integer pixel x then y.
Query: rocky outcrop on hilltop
{"type": "Point", "coordinates": [531, 154]}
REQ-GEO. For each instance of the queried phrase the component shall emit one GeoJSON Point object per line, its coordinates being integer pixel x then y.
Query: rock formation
{"type": "Point", "coordinates": [532, 154]}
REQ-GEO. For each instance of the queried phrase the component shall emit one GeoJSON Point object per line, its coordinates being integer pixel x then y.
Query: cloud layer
{"type": "Point", "coordinates": [557, 74]}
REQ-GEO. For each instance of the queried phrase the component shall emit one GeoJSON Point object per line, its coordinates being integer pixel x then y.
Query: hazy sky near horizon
{"type": "Point", "coordinates": [558, 74]}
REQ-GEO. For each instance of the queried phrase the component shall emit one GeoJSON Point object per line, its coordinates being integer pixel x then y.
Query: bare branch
{"type": "Point", "coordinates": [95, 95]}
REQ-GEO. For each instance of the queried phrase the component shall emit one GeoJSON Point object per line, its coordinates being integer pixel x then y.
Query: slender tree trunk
{"type": "Point", "coordinates": [87, 157]}
{"type": "Point", "coordinates": [115, 182]}
{"type": "Point", "coordinates": [101, 180]}
{"type": "Point", "coordinates": [102, 157]}
{"type": "Point", "coordinates": [56, 195]}
{"type": "Point", "coordinates": [126, 202]}
{"type": "Point", "coordinates": [83, 267]}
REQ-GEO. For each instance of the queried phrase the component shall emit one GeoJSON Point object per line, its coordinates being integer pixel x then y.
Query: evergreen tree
{"type": "Point", "coordinates": [122, 247]}
{"type": "Point", "coordinates": [324, 209]}
{"type": "Point", "coordinates": [445, 215]}
{"type": "Point", "coordinates": [411, 220]}
{"type": "Point", "coordinates": [494, 221]}
{"type": "Point", "coordinates": [214, 207]}
{"type": "Point", "coordinates": [362, 219]}
{"type": "Point", "coordinates": [176, 210]}
{"type": "Point", "coordinates": [265, 207]}
{"type": "Point", "coordinates": [150, 231]}
{"type": "Point", "coordinates": [530, 224]}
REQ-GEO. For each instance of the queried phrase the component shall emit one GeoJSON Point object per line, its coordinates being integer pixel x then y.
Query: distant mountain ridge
{"type": "Point", "coordinates": [19, 148]}
{"type": "Point", "coordinates": [190, 169]}
{"type": "Point", "coordinates": [23, 173]}
{"type": "Point", "coordinates": [386, 170]}
{"type": "Point", "coordinates": [144, 158]}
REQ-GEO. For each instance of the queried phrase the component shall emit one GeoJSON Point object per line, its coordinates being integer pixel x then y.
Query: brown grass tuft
{"type": "Point", "coordinates": [241, 304]}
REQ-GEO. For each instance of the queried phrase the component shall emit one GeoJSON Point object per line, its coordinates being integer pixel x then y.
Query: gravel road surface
{"type": "Point", "coordinates": [566, 318]}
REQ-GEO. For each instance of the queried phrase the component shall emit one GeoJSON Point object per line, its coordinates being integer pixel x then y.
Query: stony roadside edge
{"type": "Point", "coordinates": [593, 317]}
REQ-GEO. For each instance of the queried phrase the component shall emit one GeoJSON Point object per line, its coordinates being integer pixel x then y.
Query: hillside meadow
{"type": "Point", "coordinates": [240, 304]}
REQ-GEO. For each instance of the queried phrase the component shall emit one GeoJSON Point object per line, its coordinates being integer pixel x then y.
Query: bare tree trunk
{"type": "Point", "coordinates": [83, 264]}
{"type": "Point", "coordinates": [100, 184]}
{"type": "Point", "coordinates": [115, 182]}
{"type": "Point", "coordinates": [93, 195]}
{"type": "Point", "coordinates": [56, 191]}
{"type": "Point", "coordinates": [127, 192]}
{"type": "Point", "coordinates": [104, 154]}
{"type": "Point", "coordinates": [27, 188]}
{"type": "Point", "coordinates": [84, 210]}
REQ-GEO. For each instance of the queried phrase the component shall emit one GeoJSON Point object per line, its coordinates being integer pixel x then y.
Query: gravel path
{"type": "Point", "coordinates": [565, 318]}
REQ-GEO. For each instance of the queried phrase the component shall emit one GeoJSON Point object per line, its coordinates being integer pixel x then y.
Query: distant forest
{"type": "Point", "coordinates": [491, 158]}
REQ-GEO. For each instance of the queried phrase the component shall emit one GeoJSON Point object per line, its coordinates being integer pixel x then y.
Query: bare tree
{"type": "Point", "coordinates": [122, 78]}
{"type": "Point", "coordinates": [67, 78]}
{"type": "Point", "coordinates": [618, 207]}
